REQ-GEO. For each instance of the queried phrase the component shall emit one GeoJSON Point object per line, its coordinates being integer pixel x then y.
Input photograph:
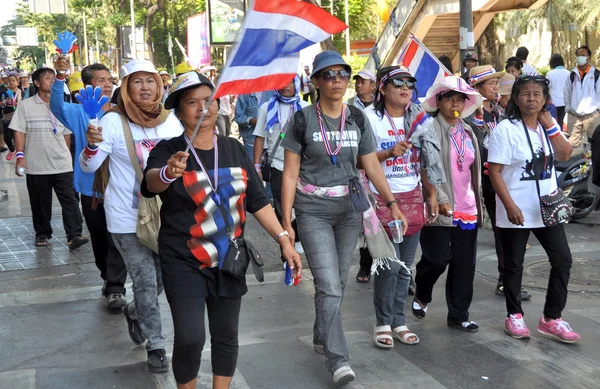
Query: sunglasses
{"type": "Point", "coordinates": [536, 78]}
{"type": "Point", "coordinates": [331, 75]}
{"type": "Point", "coordinates": [399, 84]}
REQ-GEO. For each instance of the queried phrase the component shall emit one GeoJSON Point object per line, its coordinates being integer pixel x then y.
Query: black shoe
{"type": "Point", "coordinates": [417, 310]}
{"type": "Point", "coordinates": [468, 326]}
{"type": "Point", "coordinates": [133, 326]}
{"type": "Point", "coordinates": [77, 242]}
{"type": "Point", "coordinates": [116, 301]}
{"type": "Point", "coordinates": [158, 362]}
{"type": "Point", "coordinates": [525, 295]}
{"type": "Point", "coordinates": [499, 289]}
{"type": "Point", "coordinates": [3, 149]}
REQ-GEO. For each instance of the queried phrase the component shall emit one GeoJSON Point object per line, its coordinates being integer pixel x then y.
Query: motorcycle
{"type": "Point", "coordinates": [573, 177]}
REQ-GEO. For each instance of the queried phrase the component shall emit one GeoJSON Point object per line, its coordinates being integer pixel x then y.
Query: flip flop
{"type": "Point", "coordinates": [41, 241]}
{"type": "Point", "coordinates": [380, 335]}
{"type": "Point", "coordinates": [363, 277]}
{"type": "Point", "coordinates": [404, 338]}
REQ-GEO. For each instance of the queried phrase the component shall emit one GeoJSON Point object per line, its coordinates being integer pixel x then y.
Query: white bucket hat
{"type": "Point", "coordinates": [137, 65]}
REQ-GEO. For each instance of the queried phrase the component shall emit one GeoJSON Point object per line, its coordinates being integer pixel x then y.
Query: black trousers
{"type": "Point", "coordinates": [40, 198]}
{"type": "Point", "coordinates": [276, 182]}
{"type": "Point", "coordinates": [560, 116]}
{"type": "Point", "coordinates": [554, 242]}
{"type": "Point", "coordinates": [188, 323]}
{"type": "Point", "coordinates": [442, 246]}
{"type": "Point", "coordinates": [366, 260]}
{"type": "Point", "coordinates": [489, 200]}
{"type": "Point", "coordinates": [107, 257]}
{"type": "Point", "coordinates": [9, 138]}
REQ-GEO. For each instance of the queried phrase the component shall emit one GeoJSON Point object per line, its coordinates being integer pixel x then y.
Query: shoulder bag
{"type": "Point", "coordinates": [556, 207]}
{"type": "Point", "coordinates": [266, 160]}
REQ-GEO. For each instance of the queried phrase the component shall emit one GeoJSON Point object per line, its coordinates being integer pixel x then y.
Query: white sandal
{"type": "Point", "coordinates": [404, 339]}
{"type": "Point", "coordinates": [379, 336]}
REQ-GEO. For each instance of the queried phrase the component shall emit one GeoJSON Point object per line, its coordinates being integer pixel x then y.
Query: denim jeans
{"type": "Point", "coordinates": [248, 137]}
{"type": "Point", "coordinates": [144, 269]}
{"type": "Point", "coordinates": [329, 241]}
{"type": "Point", "coordinates": [391, 285]}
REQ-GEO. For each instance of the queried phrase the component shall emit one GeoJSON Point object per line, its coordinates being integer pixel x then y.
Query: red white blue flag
{"type": "Point", "coordinates": [266, 55]}
{"type": "Point", "coordinates": [425, 66]}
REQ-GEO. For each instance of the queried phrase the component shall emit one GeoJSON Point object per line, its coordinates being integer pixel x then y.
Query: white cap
{"type": "Point", "coordinates": [137, 65]}
{"type": "Point", "coordinates": [23, 74]}
{"type": "Point", "coordinates": [163, 72]}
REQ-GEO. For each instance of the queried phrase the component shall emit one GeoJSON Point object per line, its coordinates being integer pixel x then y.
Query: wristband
{"type": "Point", "coordinates": [257, 167]}
{"type": "Point", "coordinates": [478, 121]}
{"type": "Point", "coordinates": [20, 155]}
{"type": "Point", "coordinates": [390, 203]}
{"type": "Point", "coordinates": [553, 131]}
{"type": "Point", "coordinates": [90, 150]}
{"type": "Point", "coordinates": [164, 176]}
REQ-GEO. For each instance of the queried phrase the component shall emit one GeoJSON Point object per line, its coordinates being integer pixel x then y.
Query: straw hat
{"type": "Point", "coordinates": [506, 83]}
{"type": "Point", "coordinates": [453, 83]}
{"type": "Point", "coordinates": [482, 73]}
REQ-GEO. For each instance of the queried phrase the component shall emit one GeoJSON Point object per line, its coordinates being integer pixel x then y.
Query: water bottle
{"type": "Point", "coordinates": [21, 170]}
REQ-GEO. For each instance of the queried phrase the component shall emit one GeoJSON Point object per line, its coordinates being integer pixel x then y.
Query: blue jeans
{"type": "Point", "coordinates": [391, 285]}
{"type": "Point", "coordinates": [329, 242]}
{"type": "Point", "coordinates": [248, 138]}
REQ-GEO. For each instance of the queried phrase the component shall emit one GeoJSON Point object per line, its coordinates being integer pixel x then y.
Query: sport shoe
{"type": "Point", "coordinates": [525, 295]}
{"type": "Point", "coordinates": [133, 326]}
{"type": "Point", "coordinates": [10, 156]}
{"type": "Point", "coordinates": [158, 362]}
{"type": "Point", "coordinates": [515, 326]}
{"type": "Point", "coordinates": [558, 329]}
{"type": "Point", "coordinates": [343, 375]}
{"type": "Point", "coordinates": [116, 301]}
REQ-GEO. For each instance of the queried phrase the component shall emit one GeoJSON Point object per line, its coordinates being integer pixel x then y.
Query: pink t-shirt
{"type": "Point", "coordinates": [464, 197]}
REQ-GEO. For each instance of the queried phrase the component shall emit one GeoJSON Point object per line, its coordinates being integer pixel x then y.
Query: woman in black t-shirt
{"type": "Point", "coordinates": [193, 240]}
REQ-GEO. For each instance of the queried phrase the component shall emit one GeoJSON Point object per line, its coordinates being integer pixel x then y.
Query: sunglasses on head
{"type": "Point", "coordinates": [399, 84]}
{"type": "Point", "coordinates": [331, 75]}
{"type": "Point", "coordinates": [536, 78]}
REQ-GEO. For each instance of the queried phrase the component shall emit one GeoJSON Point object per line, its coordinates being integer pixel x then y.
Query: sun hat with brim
{"type": "Point", "coordinates": [163, 73]}
{"type": "Point", "coordinates": [137, 65]}
{"type": "Point", "coordinates": [470, 57]}
{"type": "Point", "coordinates": [506, 84]}
{"type": "Point", "coordinates": [365, 75]}
{"type": "Point", "coordinates": [183, 82]}
{"type": "Point", "coordinates": [479, 74]}
{"type": "Point", "coordinates": [456, 84]}
{"type": "Point", "coordinates": [326, 59]}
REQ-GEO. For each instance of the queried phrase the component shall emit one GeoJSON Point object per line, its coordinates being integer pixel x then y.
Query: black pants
{"type": "Point", "coordinates": [554, 242]}
{"type": "Point", "coordinates": [9, 138]}
{"type": "Point", "coordinates": [560, 116]}
{"type": "Point", "coordinates": [188, 323]}
{"type": "Point", "coordinates": [40, 198]}
{"type": "Point", "coordinates": [276, 182]}
{"type": "Point", "coordinates": [489, 199]}
{"type": "Point", "coordinates": [366, 260]}
{"type": "Point", "coordinates": [107, 257]}
{"type": "Point", "coordinates": [442, 246]}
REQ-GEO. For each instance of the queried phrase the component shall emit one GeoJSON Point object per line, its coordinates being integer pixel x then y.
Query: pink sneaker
{"type": "Point", "coordinates": [515, 326]}
{"type": "Point", "coordinates": [10, 156]}
{"type": "Point", "coordinates": [558, 329]}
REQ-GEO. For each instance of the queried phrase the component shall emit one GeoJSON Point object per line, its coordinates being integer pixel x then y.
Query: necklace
{"type": "Point", "coordinates": [328, 149]}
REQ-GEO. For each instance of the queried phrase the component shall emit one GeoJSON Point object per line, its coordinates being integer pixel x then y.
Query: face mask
{"type": "Point", "coordinates": [581, 60]}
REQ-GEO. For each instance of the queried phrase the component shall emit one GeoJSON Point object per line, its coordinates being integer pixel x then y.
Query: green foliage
{"type": "Point", "coordinates": [356, 63]}
{"type": "Point", "coordinates": [543, 70]}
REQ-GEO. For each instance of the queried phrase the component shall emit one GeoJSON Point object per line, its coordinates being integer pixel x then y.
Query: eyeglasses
{"type": "Point", "coordinates": [331, 75]}
{"type": "Point", "coordinates": [536, 78]}
{"type": "Point", "coordinates": [399, 84]}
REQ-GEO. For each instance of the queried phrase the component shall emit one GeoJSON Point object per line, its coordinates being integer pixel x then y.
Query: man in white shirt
{"type": "Point", "coordinates": [365, 87]}
{"type": "Point", "coordinates": [522, 53]}
{"type": "Point", "coordinates": [558, 77]}
{"type": "Point", "coordinates": [224, 115]}
{"type": "Point", "coordinates": [306, 86]}
{"type": "Point", "coordinates": [582, 98]}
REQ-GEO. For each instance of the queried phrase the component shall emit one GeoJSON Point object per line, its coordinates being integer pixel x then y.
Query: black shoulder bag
{"type": "Point", "coordinates": [556, 207]}
{"type": "Point", "coordinates": [239, 255]}
{"type": "Point", "coordinates": [266, 160]}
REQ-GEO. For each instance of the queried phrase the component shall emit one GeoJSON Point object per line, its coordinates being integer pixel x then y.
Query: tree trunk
{"type": "Point", "coordinates": [490, 48]}
{"type": "Point", "coordinates": [152, 10]}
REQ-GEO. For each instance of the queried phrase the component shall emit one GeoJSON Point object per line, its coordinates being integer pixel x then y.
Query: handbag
{"type": "Point", "coordinates": [266, 160]}
{"type": "Point", "coordinates": [410, 203]}
{"type": "Point", "coordinates": [148, 217]}
{"type": "Point", "coordinates": [555, 207]}
{"type": "Point", "coordinates": [239, 255]}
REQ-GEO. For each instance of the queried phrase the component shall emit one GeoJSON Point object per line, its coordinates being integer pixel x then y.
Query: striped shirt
{"type": "Point", "coordinates": [46, 151]}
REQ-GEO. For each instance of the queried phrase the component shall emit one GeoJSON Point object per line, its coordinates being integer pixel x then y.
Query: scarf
{"type": "Point", "coordinates": [273, 105]}
{"type": "Point", "coordinates": [147, 114]}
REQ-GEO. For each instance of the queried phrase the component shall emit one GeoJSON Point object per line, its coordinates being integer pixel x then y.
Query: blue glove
{"type": "Point", "coordinates": [92, 100]}
{"type": "Point", "coordinates": [65, 42]}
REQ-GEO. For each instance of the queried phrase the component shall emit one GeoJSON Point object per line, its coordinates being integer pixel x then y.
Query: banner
{"type": "Point", "coordinates": [198, 48]}
{"type": "Point", "coordinates": [127, 43]}
{"type": "Point", "coordinates": [225, 18]}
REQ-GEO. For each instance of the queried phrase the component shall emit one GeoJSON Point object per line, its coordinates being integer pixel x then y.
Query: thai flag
{"type": "Point", "coordinates": [266, 55]}
{"type": "Point", "coordinates": [425, 66]}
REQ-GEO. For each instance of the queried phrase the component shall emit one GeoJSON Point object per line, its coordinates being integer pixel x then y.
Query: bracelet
{"type": "Point", "coordinates": [257, 167]}
{"type": "Point", "coordinates": [553, 131]}
{"type": "Point", "coordinates": [390, 203]}
{"type": "Point", "coordinates": [281, 235]}
{"type": "Point", "coordinates": [90, 150]}
{"type": "Point", "coordinates": [164, 177]}
{"type": "Point", "coordinates": [20, 155]}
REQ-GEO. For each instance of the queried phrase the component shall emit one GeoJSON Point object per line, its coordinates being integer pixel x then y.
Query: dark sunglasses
{"type": "Point", "coordinates": [536, 78]}
{"type": "Point", "coordinates": [331, 75]}
{"type": "Point", "coordinates": [399, 84]}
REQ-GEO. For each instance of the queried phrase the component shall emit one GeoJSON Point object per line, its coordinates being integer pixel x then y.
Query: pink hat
{"type": "Point", "coordinates": [452, 83]}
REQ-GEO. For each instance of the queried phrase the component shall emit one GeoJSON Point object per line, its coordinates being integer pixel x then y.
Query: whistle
{"type": "Point", "coordinates": [456, 114]}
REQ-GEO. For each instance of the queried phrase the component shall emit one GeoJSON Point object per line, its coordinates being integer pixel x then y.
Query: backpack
{"type": "Point", "coordinates": [596, 77]}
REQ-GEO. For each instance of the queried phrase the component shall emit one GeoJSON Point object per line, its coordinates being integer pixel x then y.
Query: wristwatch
{"type": "Point", "coordinates": [390, 203]}
{"type": "Point", "coordinates": [281, 235]}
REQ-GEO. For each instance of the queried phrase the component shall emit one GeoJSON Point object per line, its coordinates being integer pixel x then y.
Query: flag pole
{"type": "Point", "coordinates": [212, 95]}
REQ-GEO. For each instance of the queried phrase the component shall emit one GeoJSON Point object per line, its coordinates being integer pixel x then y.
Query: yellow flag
{"type": "Point", "coordinates": [383, 10]}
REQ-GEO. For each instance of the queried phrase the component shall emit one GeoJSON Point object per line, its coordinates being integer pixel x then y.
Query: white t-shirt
{"type": "Point", "coordinates": [400, 172]}
{"type": "Point", "coordinates": [558, 78]}
{"type": "Point", "coordinates": [122, 193]}
{"type": "Point", "coordinates": [285, 112]}
{"type": "Point", "coordinates": [509, 146]}
{"type": "Point", "coordinates": [528, 69]}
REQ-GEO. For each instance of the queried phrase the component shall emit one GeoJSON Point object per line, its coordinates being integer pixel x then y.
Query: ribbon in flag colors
{"type": "Point", "coordinates": [425, 66]}
{"type": "Point", "coordinates": [266, 55]}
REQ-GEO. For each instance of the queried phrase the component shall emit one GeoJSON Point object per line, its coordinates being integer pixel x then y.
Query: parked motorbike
{"type": "Point", "coordinates": [573, 177]}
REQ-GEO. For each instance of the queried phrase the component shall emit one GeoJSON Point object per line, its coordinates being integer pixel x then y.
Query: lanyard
{"type": "Point", "coordinates": [540, 135]}
{"type": "Point", "coordinates": [328, 149]}
{"type": "Point", "coordinates": [399, 138]}
{"type": "Point", "coordinates": [214, 195]}
{"type": "Point", "coordinates": [282, 123]}
{"type": "Point", "coordinates": [460, 150]}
